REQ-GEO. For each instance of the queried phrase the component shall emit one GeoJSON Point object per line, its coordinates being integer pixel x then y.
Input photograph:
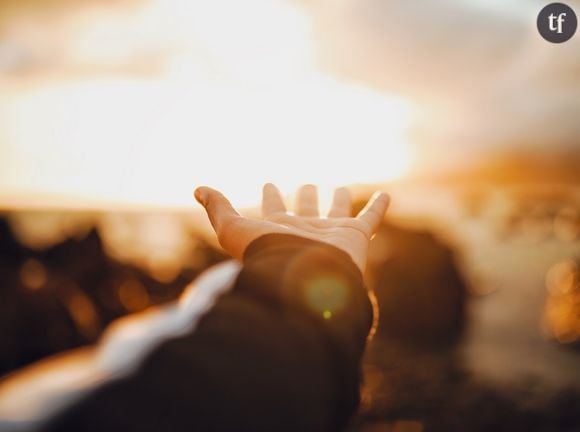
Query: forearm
{"type": "Point", "coordinates": [281, 350]}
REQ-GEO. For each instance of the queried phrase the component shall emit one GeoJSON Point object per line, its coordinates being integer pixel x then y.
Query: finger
{"type": "Point", "coordinates": [341, 203]}
{"type": "Point", "coordinates": [374, 212]}
{"type": "Point", "coordinates": [306, 201]}
{"type": "Point", "coordinates": [218, 208]}
{"type": "Point", "coordinates": [272, 200]}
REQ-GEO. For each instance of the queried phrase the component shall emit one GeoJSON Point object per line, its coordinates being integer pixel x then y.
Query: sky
{"type": "Point", "coordinates": [138, 101]}
{"type": "Point", "coordinates": [486, 80]}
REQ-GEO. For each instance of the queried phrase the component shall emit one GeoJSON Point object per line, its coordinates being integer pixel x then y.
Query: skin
{"type": "Point", "coordinates": [350, 234]}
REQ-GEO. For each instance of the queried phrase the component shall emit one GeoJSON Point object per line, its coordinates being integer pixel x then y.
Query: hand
{"type": "Point", "coordinates": [339, 229]}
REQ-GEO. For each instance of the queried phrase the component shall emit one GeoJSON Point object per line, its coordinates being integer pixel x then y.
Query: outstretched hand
{"type": "Point", "coordinates": [350, 234]}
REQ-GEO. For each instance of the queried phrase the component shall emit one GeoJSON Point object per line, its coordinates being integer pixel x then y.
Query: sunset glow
{"type": "Point", "coordinates": [229, 113]}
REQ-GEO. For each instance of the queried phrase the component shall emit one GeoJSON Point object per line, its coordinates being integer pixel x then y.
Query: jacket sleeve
{"type": "Point", "coordinates": [280, 351]}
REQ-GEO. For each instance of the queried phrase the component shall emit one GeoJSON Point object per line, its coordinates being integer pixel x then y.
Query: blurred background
{"type": "Point", "coordinates": [112, 111]}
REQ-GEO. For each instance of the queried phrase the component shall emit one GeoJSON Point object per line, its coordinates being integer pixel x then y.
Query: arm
{"type": "Point", "coordinates": [280, 351]}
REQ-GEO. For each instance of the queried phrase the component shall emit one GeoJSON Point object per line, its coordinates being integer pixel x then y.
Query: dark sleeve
{"type": "Point", "coordinates": [280, 351]}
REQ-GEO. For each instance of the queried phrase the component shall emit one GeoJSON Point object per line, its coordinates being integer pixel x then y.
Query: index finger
{"type": "Point", "coordinates": [272, 200]}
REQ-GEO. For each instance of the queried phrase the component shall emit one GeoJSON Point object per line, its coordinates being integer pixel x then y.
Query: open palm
{"type": "Point", "coordinates": [350, 234]}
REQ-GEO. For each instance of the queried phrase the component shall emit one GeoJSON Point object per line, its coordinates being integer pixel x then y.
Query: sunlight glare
{"type": "Point", "coordinates": [261, 114]}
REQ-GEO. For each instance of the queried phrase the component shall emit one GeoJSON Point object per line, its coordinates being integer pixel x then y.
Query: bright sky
{"type": "Point", "coordinates": [140, 101]}
{"type": "Point", "coordinates": [238, 101]}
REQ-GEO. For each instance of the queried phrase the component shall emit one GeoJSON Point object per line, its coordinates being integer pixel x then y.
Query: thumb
{"type": "Point", "coordinates": [219, 210]}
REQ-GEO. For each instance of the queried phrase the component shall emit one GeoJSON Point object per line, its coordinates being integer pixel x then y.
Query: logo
{"type": "Point", "coordinates": [557, 22]}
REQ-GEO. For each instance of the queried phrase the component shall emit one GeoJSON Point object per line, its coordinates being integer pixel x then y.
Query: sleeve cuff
{"type": "Point", "coordinates": [318, 279]}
